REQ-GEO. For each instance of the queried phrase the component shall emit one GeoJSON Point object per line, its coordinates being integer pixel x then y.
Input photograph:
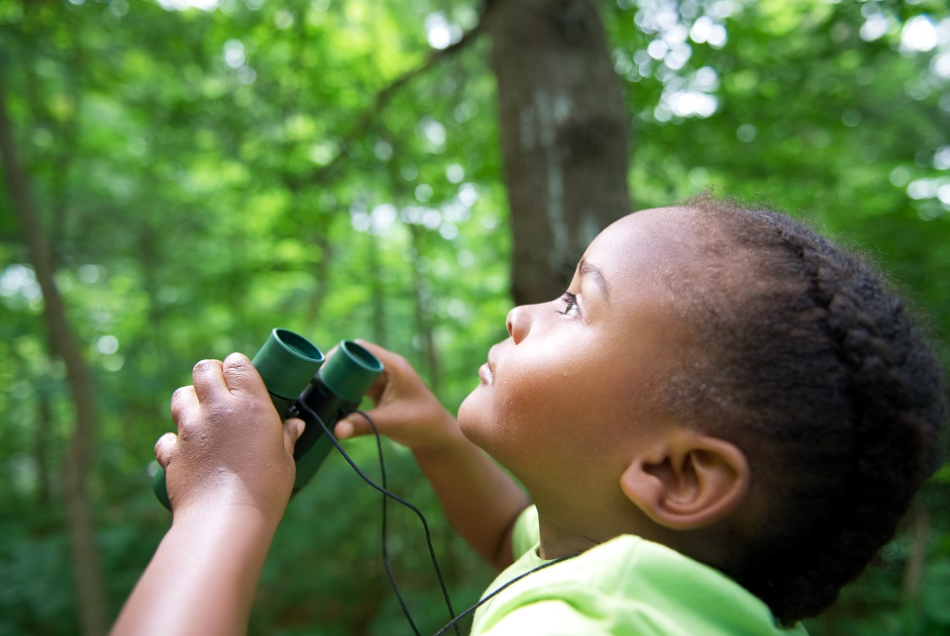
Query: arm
{"type": "Point", "coordinates": [480, 500]}
{"type": "Point", "coordinates": [230, 471]}
{"type": "Point", "coordinates": [202, 578]}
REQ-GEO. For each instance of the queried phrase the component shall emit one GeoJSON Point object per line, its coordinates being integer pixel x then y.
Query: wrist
{"type": "Point", "coordinates": [225, 499]}
{"type": "Point", "coordinates": [216, 518]}
{"type": "Point", "coordinates": [449, 442]}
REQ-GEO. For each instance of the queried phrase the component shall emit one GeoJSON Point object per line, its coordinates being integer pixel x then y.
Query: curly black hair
{"type": "Point", "coordinates": [812, 365]}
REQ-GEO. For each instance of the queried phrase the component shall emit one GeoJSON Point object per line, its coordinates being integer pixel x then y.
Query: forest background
{"type": "Point", "coordinates": [181, 176]}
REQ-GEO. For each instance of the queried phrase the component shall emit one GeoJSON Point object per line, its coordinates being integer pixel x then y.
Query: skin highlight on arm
{"type": "Point", "coordinates": [203, 576]}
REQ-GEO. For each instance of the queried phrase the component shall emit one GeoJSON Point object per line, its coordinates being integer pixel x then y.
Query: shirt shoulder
{"type": "Point", "coordinates": [526, 534]}
{"type": "Point", "coordinates": [625, 587]}
{"type": "Point", "coordinates": [553, 617]}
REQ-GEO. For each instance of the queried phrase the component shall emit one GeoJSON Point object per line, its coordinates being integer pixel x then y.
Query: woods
{"type": "Point", "coordinates": [181, 177]}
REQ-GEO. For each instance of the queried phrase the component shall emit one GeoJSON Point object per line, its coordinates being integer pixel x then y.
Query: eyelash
{"type": "Point", "coordinates": [570, 300]}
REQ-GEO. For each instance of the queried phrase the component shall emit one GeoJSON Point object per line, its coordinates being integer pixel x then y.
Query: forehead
{"type": "Point", "coordinates": [652, 264]}
{"type": "Point", "coordinates": [649, 245]}
{"type": "Point", "coordinates": [672, 224]}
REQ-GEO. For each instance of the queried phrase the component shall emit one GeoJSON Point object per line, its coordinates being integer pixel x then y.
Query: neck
{"type": "Point", "coordinates": [565, 532]}
{"type": "Point", "coordinates": [558, 540]}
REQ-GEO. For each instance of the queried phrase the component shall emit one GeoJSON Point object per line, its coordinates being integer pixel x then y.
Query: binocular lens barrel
{"type": "Point", "coordinates": [286, 363]}
{"type": "Point", "coordinates": [335, 391]}
{"type": "Point", "coordinates": [351, 371]}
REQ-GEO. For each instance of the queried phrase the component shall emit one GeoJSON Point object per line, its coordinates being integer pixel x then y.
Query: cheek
{"type": "Point", "coordinates": [532, 411]}
{"type": "Point", "coordinates": [530, 386]}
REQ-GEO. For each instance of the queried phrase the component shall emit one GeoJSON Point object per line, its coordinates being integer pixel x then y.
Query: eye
{"type": "Point", "coordinates": [570, 304]}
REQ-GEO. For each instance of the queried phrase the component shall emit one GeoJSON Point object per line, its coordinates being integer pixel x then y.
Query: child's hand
{"type": "Point", "coordinates": [406, 411]}
{"type": "Point", "coordinates": [231, 449]}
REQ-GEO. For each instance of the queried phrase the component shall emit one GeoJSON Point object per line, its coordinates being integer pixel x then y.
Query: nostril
{"type": "Point", "coordinates": [510, 322]}
{"type": "Point", "coordinates": [517, 324]}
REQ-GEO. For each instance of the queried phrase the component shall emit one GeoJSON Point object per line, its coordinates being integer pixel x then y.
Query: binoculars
{"type": "Point", "coordinates": [301, 386]}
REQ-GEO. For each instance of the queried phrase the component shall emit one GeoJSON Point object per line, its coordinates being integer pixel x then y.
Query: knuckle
{"type": "Point", "coordinates": [238, 361]}
{"type": "Point", "coordinates": [202, 365]}
{"type": "Point", "coordinates": [176, 401]}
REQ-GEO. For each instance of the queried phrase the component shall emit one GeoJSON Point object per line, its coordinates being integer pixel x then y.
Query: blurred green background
{"type": "Point", "coordinates": [203, 171]}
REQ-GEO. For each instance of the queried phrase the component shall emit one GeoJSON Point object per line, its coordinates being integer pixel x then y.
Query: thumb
{"type": "Point", "coordinates": [293, 429]}
{"type": "Point", "coordinates": [355, 425]}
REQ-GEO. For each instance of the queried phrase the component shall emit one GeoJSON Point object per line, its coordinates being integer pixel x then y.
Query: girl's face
{"type": "Point", "coordinates": [563, 400]}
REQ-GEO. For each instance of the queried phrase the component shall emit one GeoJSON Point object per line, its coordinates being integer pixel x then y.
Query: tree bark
{"type": "Point", "coordinates": [378, 290]}
{"type": "Point", "coordinates": [321, 276]}
{"type": "Point", "coordinates": [86, 561]}
{"type": "Point", "coordinates": [915, 569]}
{"type": "Point", "coordinates": [564, 136]}
{"type": "Point", "coordinates": [42, 437]}
{"type": "Point", "coordinates": [423, 312]}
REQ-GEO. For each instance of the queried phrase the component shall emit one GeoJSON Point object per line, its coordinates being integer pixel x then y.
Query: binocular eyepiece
{"type": "Point", "coordinates": [301, 385]}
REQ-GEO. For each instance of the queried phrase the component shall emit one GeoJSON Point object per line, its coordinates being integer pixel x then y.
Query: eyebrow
{"type": "Point", "coordinates": [586, 269]}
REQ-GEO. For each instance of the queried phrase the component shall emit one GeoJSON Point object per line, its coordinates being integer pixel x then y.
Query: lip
{"type": "Point", "coordinates": [485, 373]}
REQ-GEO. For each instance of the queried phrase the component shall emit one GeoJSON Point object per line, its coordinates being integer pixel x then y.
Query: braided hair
{"type": "Point", "coordinates": [817, 371]}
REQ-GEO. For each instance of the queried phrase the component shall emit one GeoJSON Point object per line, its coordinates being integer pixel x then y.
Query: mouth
{"type": "Point", "coordinates": [485, 373]}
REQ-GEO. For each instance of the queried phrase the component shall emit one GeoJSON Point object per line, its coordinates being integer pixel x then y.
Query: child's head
{"type": "Point", "coordinates": [758, 394]}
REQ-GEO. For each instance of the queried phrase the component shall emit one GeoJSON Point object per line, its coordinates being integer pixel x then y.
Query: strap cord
{"type": "Point", "coordinates": [453, 623]}
{"type": "Point", "coordinates": [488, 597]}
{"type": "Point", "coordinates": [386, 493]}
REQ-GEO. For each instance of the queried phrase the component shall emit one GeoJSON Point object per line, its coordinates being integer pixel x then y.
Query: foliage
{"type": "Point", "coordinates": [207, 175]}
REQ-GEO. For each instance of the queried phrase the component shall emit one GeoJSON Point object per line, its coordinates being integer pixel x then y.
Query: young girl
{"type": "Point", "coordinates": [719, 424]}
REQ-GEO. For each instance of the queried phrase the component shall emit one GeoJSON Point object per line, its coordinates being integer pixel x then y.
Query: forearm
{"type": "Point", "coordinates": [480, 499]}
{"type": "Point", "coordinates": [202, 578]}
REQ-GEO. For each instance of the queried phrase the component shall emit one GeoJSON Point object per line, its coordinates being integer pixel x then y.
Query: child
{"type": "Point", "coordinates": [719, 424]}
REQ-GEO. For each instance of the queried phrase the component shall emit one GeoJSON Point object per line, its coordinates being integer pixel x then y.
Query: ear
{"type": "Point", "coordinates": [688, 481]}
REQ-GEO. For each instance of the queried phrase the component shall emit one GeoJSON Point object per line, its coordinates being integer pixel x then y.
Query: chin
{"type": "Point", "coordinates": [467, 412]}
{"type": "Point", "coordinates": [472, 419]}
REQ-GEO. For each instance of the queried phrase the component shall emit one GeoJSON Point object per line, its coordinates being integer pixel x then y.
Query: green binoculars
{"type": "Point", "coordinates": [301, 385]}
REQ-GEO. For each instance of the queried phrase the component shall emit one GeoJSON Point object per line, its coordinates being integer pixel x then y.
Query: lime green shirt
{"type": "Point", "coordinates": [625, 587]}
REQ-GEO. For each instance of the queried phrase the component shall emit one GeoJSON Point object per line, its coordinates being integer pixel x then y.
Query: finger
{"type": "Point", "coordinates": [388, 358]}
{"type": "Point", "coordinates": [164, 448]}
{"type": "Point", "coordinates": [241, 376]}
{"type": "Point", "coordinates": [184, 400]}
{"type": "Point", "coordinates": [378, 387]}
{"type": "Point", "coordinates": [293, 429]}
{"type": "Point", "coordinates": [390, 362]}
{"type": "Point", "coordinates": [209, 379]}
{"type": "Point", "coordinates": [375, 349]}
{"type": "Point", "coordinates": [355, 425]}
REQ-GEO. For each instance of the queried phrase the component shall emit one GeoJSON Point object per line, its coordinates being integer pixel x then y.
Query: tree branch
{"type": "Point", "coordinates": [365, 119]}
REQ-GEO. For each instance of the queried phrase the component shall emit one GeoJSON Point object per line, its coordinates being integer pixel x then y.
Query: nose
{"type": "Point", "coordinates": [519, 323]}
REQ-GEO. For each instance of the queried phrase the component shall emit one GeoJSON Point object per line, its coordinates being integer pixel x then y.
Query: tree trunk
{"type": "Point", "coordinates": [321, 275]}
{"type": "Point", "coordinates": [423, 312]}
{"type": "Point", "coordinates": [86, 562]}
{"type": "Point", "coordinates": [915, 569]}
{"type": "Point", "coordinates": [42, 437]}
{"type": "Point", "coordinates": [564, 136]}
{"type": "Point", "coordinates": [378, 299]}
